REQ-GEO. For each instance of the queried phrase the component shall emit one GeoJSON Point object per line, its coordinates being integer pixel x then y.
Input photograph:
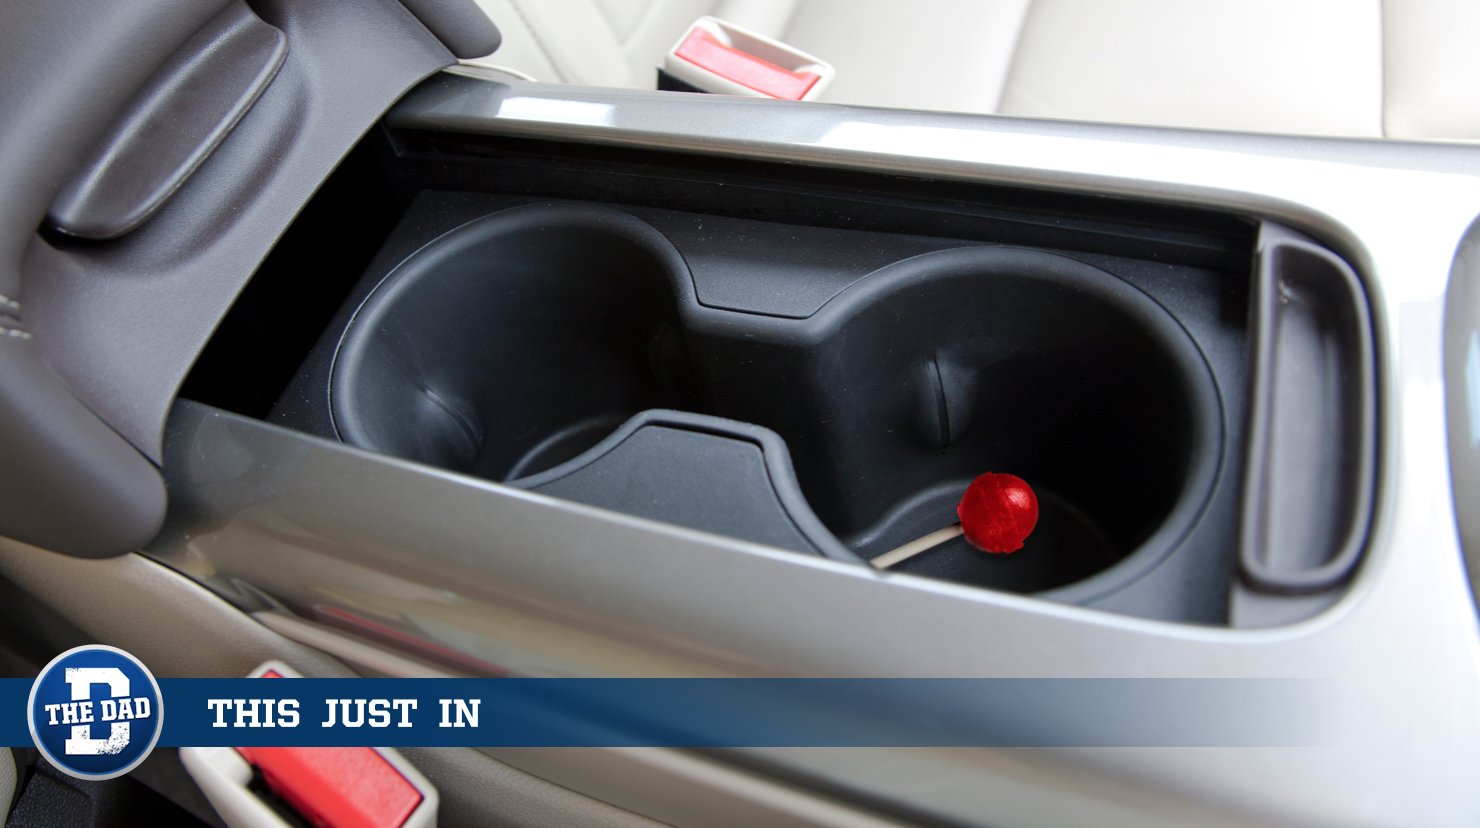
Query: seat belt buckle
{"type": "Point", "coordinates": [326, 787]}
{"type": "Point", "coordinates": [720, 57]}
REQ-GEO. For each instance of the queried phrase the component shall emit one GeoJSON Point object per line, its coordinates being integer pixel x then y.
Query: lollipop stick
{"type": "Point", "coordinates": [915, 547]}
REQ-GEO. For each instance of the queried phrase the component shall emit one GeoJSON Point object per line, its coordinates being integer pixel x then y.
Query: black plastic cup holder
{"type": "Point", "coordinates": [512, 344]}
{"type": "Point", "coordinates": [520, 341]}
{"type": "Point", "coordinates": [698, 471]}
{"type": "Point", "coordinates": [918, 378]}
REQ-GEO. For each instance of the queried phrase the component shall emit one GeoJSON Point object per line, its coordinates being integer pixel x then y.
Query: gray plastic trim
{"type": "Point", "coordinates": [460, 24]}
{"type": "Point", "coordinates": [110, 329]}
{"type": "Point", "coordinates": [1308, 485]}
{"type": "Point", "coordinates": [171, 126]}
{"type": "Point", "coordinates": [70, 483]}
{"type": "Point", "coordinates": [1462, 387]}
{"type": "Point", "coordinates": [687, 790]}
{"type": "Point", "coordinates": [169, 621]}
{"type": "Point", "coordinates": [478, 792]}
{"type": "Point", "coordinates": [539, 586]}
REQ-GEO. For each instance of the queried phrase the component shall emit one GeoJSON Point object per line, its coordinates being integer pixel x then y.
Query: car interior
{"type": "Point", "coordinates": [443, 338]}
{"type": "Point", "coordinates": [1312, 67]}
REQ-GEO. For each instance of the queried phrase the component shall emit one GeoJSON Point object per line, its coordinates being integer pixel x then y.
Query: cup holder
{"type": "Point", "coordinates": [928, 372]}
{"type": "Point", "coordinates": [513, 343]}
{"type": "Point", "coordinates": [521, 340]}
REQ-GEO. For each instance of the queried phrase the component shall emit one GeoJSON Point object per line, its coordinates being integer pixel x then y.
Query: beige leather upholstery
{"type": "Point", "coordinates": [1295, 66]}
{"type": "Point", "coordinates": [1431, 65]}
{"type": "Point", "coordinates": [1362, 68]}
{"type": "Point", "coordinates": [866, 43]}
{"type": "Point", "coordinates": [611, 42]}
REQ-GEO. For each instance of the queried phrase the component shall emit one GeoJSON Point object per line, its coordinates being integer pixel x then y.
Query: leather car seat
{"type": "Point", "coordinates": [1360, 68]}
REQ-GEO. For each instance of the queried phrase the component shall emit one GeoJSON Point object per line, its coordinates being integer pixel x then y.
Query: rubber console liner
{"type": "Point", "coordinates": [698, 471]}
{"type": "Point", "coordinates": [505, 338]}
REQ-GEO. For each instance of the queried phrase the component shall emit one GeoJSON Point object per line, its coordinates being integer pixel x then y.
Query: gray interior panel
{"type": "Point", "coordinates": [173, 623]}
{"type": "Point", "coordinates": [122, 323]}
{"type": "Point", "coordinates": [60, 87]}
{"type": "Point", "coordinates": [461, 26]}
{"type": "Point", "coordinates": [478, 791]}
{"type": "Point", "coordinates": [172, 125]}
{"type": "Point", "coordinates": [546, 587]}
{"type": "Point", "coordinates": [108, 330]}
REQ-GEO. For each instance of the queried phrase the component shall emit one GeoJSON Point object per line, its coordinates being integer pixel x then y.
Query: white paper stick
{"type": "Point", "coordinates": [915, 547]}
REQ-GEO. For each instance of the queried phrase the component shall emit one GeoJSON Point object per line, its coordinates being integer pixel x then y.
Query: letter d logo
{"type": "Point", "coordinates": [95, 712]}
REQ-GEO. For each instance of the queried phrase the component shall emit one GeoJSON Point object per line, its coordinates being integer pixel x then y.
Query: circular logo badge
{"type": "Point", "coordinates": [95, 712]}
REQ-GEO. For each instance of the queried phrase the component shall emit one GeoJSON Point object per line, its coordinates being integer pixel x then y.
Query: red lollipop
{"type": "Point", "coordinates": [998, 512]}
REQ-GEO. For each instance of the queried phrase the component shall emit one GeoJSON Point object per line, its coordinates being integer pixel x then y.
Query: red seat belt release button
{"type": "Point", "coordinates": [329, 787]}
{"type": "Point", "coordinates": [702, 49]}
{"type": "Point", "coordinates": [337, 787]}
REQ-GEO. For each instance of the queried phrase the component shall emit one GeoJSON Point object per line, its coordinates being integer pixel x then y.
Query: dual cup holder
{"type": "Point", "coordinates": [563, 348]}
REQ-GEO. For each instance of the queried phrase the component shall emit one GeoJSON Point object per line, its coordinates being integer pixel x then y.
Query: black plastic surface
{"type": "Point", "coordinates": [275, 322]}
{"type": "Point", "coordinates": [515, 343]}
{"type": "Point", "coordinates": [795, 194]}
{"type": "Point", "coordinates": [669, 82]}
{"type": "Point", "coordinates": [757, 267]}
{"type": "Point", "coordinates": [51, 799]}
{"type": "Point", "coordinates": [697, 471]}
{"type": "Point", "coordinates": [522, 338]}
{"type": "Point", "coordinates": [171, 126]}
{"type": "Point", "coordinates": [786, 250]}
{"type": "Point", "coordinates": [1312, 440]}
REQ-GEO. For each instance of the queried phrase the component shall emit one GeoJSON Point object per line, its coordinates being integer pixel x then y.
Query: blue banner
{"type": "Point", "coordinates": [727, 712]}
